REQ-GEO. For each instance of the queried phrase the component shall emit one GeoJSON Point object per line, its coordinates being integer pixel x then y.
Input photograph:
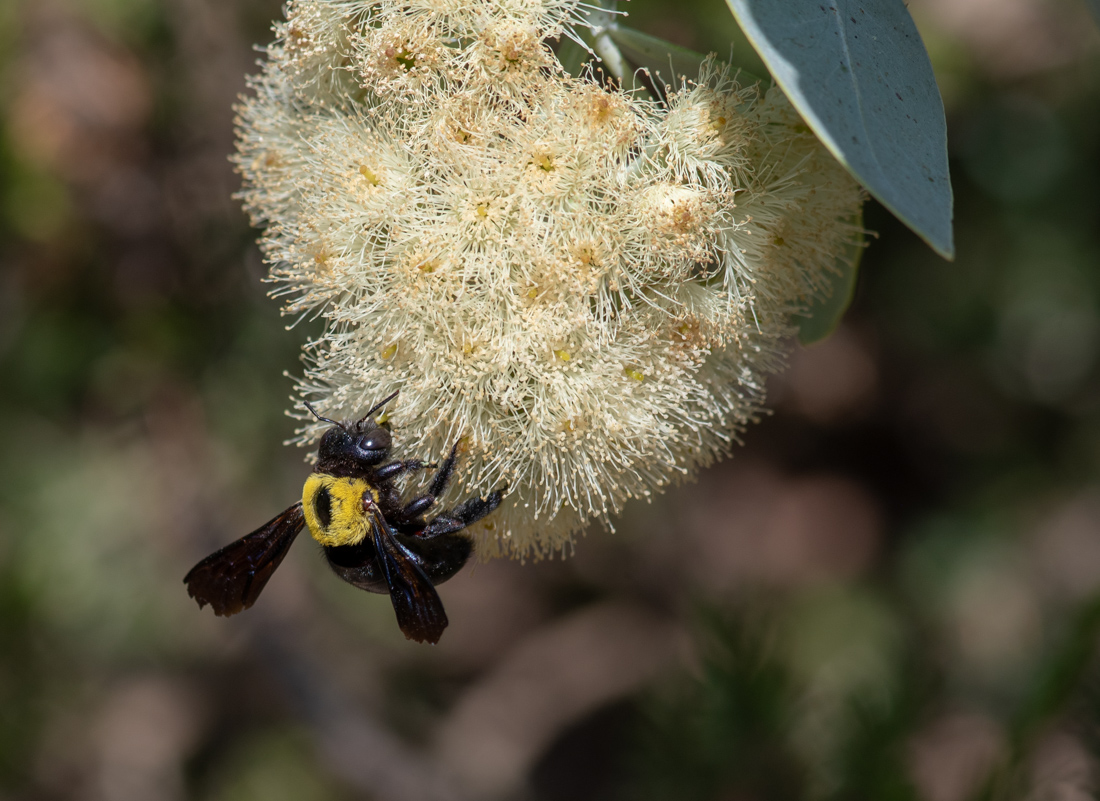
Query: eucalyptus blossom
{"type": "Point", "coordinates": [585, 287]}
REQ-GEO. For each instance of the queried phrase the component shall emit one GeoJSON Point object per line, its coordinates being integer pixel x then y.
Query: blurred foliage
{"type": "Point", "coordinates": [751, 726]}
{"type": "Point", "coordinates": [729, 733]}
{"type": "Point", "coordinates": [891, 590]}
{"type": "Point", "coordinates": [274, 765]}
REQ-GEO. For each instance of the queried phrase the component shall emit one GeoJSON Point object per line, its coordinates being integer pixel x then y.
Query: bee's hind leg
{"type": "Point", "coordinates": [467, 512]}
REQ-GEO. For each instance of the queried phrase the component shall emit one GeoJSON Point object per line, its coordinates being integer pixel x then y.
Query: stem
{"type": "Point", "coordinates": [608, 52]}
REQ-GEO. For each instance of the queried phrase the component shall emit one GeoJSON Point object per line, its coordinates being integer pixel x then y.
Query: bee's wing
{"type": "Point", "coordinates": [420, 612]}
{"type": "Point", "coordinates": [230, 580]}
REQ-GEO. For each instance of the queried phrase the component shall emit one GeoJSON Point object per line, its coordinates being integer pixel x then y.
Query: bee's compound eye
{"type": "Point", "coordinates": [322, 506]}
{"type": "Point", "coordinates": [377, 439]}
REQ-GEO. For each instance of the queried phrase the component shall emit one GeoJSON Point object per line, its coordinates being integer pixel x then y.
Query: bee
{"type": "Point", "coordinates": [370, 536]}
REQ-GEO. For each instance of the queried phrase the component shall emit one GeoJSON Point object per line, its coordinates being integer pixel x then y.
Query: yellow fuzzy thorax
{"type": "Point", "coordinates": [348, 523]}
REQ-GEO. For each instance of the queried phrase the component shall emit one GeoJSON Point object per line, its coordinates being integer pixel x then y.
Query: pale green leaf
{"type": "Point", "coordinates": [572, 56]}
{"type": "Point", "coordinates": [859, 75]}
{"type": "Point", "coordinates": [664, 60]}
{"type": "Point", "coordinates": [824, 315]}
{"type": "Point", "coordinates": [1094, 7]}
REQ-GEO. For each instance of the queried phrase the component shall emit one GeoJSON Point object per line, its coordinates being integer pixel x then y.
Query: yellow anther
{"type": "Point", "coordinates": [600, 109]}
{"type": "Point", "coordinates": [637, 375]}
{"type": "Point", "coordinates": [563, 355]}
{"type": "Point", "coordinates": [533, 293]}
{"type": "Point", "coordinates": [482, 209]}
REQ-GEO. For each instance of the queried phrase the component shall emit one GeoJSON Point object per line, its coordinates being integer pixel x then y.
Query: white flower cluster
{"type": "Point", "coordinates": [587, 287]}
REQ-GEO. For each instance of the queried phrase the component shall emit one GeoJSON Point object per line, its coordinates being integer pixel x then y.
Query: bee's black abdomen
{"type": "Point", "coordinates": [440, 557]}
{"type": "Point", "coordinates": [358, 565]}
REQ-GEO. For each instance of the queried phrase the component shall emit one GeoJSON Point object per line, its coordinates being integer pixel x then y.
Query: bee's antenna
{"type": "Point", "coordinates": [379, 405]}
{"type": "Point", "coordinates": [323, 419]}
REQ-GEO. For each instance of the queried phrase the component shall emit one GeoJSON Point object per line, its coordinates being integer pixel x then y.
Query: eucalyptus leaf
{"type": "Point", "coordinates": [603, 20]}
{"type": "Point", "coordinates": [823, 316]}
{"type": "Point", "coordinates": [859, 75]}
{"type": "Point", "coordinates": [664, 60]}
{"type": "Point", "coordinates": [1094, 7]}
{"type": "Point", "coordinates": [572, 56]}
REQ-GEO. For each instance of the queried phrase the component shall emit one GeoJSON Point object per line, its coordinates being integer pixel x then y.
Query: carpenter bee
{"type": "Point", "coordinates": [370, 536]}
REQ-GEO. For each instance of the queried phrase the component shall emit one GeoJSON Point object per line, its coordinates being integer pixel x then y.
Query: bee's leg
{"type": "Point", "coordinates": [443, 474]}
{"type": "Point", "coordinates": [467, 512]}
{"type": "Point", "coordinates": [395, 469]}
{"type": "Point", "coordinates": [416, 507]}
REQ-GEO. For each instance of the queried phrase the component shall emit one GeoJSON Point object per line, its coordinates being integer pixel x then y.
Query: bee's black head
{"type": "Point", "coordinates": [366, 447]}
{"type": "Point", "coordinates": [364, 442]}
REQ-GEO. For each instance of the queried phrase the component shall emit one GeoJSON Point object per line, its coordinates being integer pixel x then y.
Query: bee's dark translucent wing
{"type": "Point", "coordinates": [230, 580]}
{"type": "Point", "coordinates": [420, 612]}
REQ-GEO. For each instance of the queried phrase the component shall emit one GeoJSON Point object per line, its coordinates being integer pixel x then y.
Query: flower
{"type": "Point", "coordinates": [586, 287]}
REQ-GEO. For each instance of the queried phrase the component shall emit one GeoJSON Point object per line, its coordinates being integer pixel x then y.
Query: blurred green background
{"type": "Point", "coordinates": [892, 591]}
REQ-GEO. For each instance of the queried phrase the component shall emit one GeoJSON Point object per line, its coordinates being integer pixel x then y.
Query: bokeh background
{"type": "Point", "coordinates": [891, 591]}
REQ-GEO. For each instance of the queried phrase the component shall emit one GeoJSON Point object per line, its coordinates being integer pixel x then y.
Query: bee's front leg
{"type": "Point", "coordinates": [394, 469]}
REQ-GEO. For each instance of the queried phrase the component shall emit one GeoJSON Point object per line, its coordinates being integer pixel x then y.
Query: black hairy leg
{"type": "Point", "coordinates": [412, 511]}
{"type": "Point", "coordinates": [394, 469]}
{"type": "Point", "coordinates": [463, 515]}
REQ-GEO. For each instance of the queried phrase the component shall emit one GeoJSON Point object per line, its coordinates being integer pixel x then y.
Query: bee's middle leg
{"type": "Point", "coordinates": [418, 506]}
